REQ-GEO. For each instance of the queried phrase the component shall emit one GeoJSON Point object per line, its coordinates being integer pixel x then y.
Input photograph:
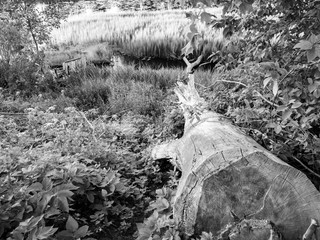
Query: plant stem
{"type": "Point", "coordinates": [317, 175]}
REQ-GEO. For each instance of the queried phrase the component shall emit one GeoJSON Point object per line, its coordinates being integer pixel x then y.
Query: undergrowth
{"type": "Point", "coordinates": [77, 174]}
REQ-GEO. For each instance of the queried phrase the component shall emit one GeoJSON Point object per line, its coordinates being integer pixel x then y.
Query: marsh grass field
{"type": "Point", "coordinates": [160, 34]}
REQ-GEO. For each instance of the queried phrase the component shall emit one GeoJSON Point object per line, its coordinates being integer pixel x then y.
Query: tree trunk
{"type": "Point", "coordinates": [33, 35]}
{"type": "Point", "coordinates": [228, 178]}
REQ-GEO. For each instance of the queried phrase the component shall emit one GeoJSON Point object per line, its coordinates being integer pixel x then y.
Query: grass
{"type": "Point", "coordinates": [141, 91]}
{"type": "Point", "coordinates": [159, 34]}
{"type": "Point", "coordinates": [126, 89]}
{"type": "Point", "coordinates": [96, 51]}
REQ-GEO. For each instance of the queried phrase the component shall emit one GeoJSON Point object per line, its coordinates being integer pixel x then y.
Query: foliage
{"type": "Point", "coordinates": [11, 41]}
{"type": "Point", "coordinates": [68, 177]}
{"type": "Point", "coordinates": [272, 51]}
{"type": "Point", "coordinates": [37, 20]}
{"type": "Point", "coordinates": [22, 75]}
{"type": "Point", "coordinates": [161, 222]}
{"type": "Point", "coordinates": [23, 25]}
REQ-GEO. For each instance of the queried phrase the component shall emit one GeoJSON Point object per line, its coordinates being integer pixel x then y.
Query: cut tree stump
{"type": "Point", "coordinates": [227, 174]}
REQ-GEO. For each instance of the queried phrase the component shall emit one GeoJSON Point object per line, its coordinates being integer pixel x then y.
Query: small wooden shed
{"type": "Point", "coordinates": [74, 64]}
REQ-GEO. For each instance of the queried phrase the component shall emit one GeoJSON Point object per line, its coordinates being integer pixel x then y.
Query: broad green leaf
{"type": "Point", "coordinates": [275, 88]}
{"type": "Point", "coordinates": [188, 49]}
{"type": "Point", "coordinates": [43, 203]}
{"type": "Point", "coordinates": [163, 204]}
{"type": "Point", "coordinates": [206, 236]}
{"type": "Point", "coordinates": [47, 184]}
{"type": "Point", "coordinates": [268, 65]}
{"type": "Point", "coordinates": [314, 86]}
{"type": "Point", "coordinates": [104, 193]}
{"type": "Point", "coordinates": [286, 114]}
{"type": "Point", "coordinates": [90, 197]}
{"type": "Point", "coordinates": [72, 225]}
{"type": "Point", "coordinates": [35, 187]}
{"type": "Point", "coordinates": [312, 54]}
{"type": "Point", "coordinates": [296, 104]}
{"type": "Point", "coordinates": [317, 74]}
{"type": "Point", "coordinates": [227, 31]}
{"type": "Point", "coordinates": [274, 74]}
{"type": "Point", "coordinates": [65, 235]}
{"type": "Point", "coordinates": [81, 232]}
{"type": "Point", "coordinates": [190, 35]}
{"type": "Point", "coordinates": [278, 129]}
{"type": "Point", "coordinates": [314, 38]}
{"type": "Point", "coordinates": [51, 212]}
{"type": "Point", "coordinates": [144, 232]}
{"type": "Point", "coordinates": [309, 110]}
{"type": "Point", "coordinates": [32, 234]}
{"type": "Point", "coordinates": [206, 17]}
{"type": "Point", "coordinates": [266, 81]}
{"type": "Point", "coordinates": [316, 93]}
{"type": "Point", "coordinates": [304, 45]}
{"type": "Point", "coordinates": [112, 188]}
{"type": "Point", "coordinates": [64, 193]}
{"type": "Point", "coordinates": [271, 125]}
{"type": "Point", "coordinates": [245, 7]}
{"type": "Point", "coordinates": [18, 236]}
{"type": "Point", "coordinates": [63, 204]}
{"type": "Point", "coordinates": [237, 3]}
{"type": "Point", "coordinates": [282, 108]}
{"type": "Point", "coordinates": [193, 28]}
{"type": "Point", "coordinates": [146, 228]}
{"type": "Point", "coordinates": [282, 71]}
{"type": "Point", "coordinates": [120, 187]}
{"type": "Point", "coordinates": [33, 222]}
{"type": "Point", "coordinates": [161, 192]}
{"type": "Point", "coordinates": [45, 232]}
{"type": "Point", "coordinates": [304, 120]}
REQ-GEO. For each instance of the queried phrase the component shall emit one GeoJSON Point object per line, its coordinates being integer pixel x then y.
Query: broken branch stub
{"type": "Point", "coordinates": [225, 171]}
{"type": "Point", "coordinates": [191, 103]}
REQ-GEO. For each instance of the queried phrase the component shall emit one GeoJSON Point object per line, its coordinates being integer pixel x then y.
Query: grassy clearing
{"type": "Point", "coordinates": [141, 34]}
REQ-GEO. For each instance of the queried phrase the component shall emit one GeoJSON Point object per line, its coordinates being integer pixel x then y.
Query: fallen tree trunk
{"type": "Point", "coordinates": [227, 175]}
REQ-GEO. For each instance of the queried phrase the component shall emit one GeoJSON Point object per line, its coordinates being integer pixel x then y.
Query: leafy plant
{"type": "Point", "coordinates": [66, 177]}
{"type": "Point", "coordinates": [160, 225]}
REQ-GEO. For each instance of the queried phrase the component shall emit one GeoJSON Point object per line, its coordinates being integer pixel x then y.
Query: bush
{"type": "Point", "coordinates": [285, 124]}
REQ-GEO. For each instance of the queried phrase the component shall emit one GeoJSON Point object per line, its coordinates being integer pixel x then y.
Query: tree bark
{"type": "Point", "coordinates": [33, 35]}
{"type": "Point", "coordinates": [226, 174]}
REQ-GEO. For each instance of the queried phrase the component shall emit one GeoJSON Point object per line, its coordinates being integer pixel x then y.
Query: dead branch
{"type": "Point", "coordinates": [191, 66]}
